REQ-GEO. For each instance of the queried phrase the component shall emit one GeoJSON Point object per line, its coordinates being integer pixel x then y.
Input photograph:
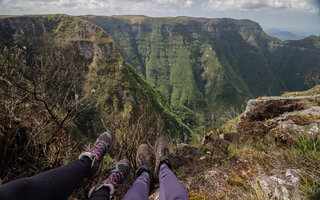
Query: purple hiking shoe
{"type": "Point", "coordinates": [117, 175]}
{"type": "Point", "coordinates": [102, 145]}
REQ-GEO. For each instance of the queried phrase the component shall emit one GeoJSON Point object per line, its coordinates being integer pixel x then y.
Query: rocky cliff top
{"type": "Point", "coordinates": [272, 154]}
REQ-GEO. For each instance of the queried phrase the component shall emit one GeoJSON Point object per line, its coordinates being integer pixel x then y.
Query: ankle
{"type": "Point", "coordinates": [145, 173]}
{"type": "Point", "coordinates": [163, 165]}
{"type": "Point", "coordinates": [142, 170]}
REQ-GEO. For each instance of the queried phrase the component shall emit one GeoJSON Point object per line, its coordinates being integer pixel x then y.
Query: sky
{"type": "Point", "coordinates": [300, 16]}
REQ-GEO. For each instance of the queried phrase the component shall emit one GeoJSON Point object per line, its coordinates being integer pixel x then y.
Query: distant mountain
{"type": "Point", "coordinates": [110, 84]}
{"type": "Point", "coordinates": [199, 65]}
{"type": "Point", "coordinates": [205, 64]}
{"type": "Point", "coordinates": [284, 35]}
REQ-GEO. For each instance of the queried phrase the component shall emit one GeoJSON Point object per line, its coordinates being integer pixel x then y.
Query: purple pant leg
{"type": "Point", "coordinates": [140, 188]}
{"type": "Point", "coordinates": [170, 187]}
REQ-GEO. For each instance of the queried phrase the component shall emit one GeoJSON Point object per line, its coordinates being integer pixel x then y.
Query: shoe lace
{"type": "Point", "coordinates": [164, 152]}
{"type": "Point", "coordinates": [115, 178]}
{"type": "Point", "coordinates": [97, 149]}
{"type": "Point", "coordinates": [143, 160]}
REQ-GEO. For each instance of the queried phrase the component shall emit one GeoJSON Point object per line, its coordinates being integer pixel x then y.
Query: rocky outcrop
{"type": "Point", "coordinates": [265, 108]}
{"type": "Point", "coordinates": [282, 117]}
{"type": "Point", "coordinates": [90, 49]}
{"type": "Point", "coordinates": [263, 159]}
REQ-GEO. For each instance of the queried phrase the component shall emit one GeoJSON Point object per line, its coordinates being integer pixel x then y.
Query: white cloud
{"type": "Point", "coordinates": [246, 5]}
{"type": "Point", "coordinates": [189, 4]}
{"type": "Point", "coordinates": [72, 6]}
{"type": "Point", "coordinates": [151, 7]}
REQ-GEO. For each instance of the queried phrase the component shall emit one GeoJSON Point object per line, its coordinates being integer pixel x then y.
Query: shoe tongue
{"type": "Point", "coordinates": [166, 151]}
{"type": "Point", "coordinates": [124, 169]}
{"type": "Point", "coordinates": [105, 138]}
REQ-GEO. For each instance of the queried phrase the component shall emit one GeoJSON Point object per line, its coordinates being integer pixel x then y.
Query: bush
{"type": "Point", "coordinates": [40, 97]}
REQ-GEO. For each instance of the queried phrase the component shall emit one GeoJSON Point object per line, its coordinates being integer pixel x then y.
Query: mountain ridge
{"type": "Point", "coordinates": [108, 75]}
{"type": "Point", "coordinates": [247, 57]}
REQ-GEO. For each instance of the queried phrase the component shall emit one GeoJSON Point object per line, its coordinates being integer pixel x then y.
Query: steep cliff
{"type": "Point", "coordinates": [208, 63]}
{"type": "Point", "coordinates": [109, 84]}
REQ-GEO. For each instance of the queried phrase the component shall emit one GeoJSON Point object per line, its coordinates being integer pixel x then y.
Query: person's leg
{"type": "Point", "coordinates": [170, 187]}
{"type": "Point", "coordinates": [101, 194]}
{"type": "Point", "coordinates": [60, 182]}
{"type": "Point", "coordinates": [140, 188]}
{"type": "Point", "coordinates": [52, 184]}
{"type": "Point", "coordinates": [105, 189]}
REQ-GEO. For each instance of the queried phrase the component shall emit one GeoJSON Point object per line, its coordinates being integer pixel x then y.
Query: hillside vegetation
{"type": "Point", "coordinates": [63, 82]}
{"type": "Point", "coordinates": [210, 64]}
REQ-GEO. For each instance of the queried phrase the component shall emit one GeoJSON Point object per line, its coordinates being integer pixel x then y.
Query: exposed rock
{"type": "Point", "coordinates": [278, 185]}
{"type": "Point", "coordinates": [25, 25]}
{"type": "Point", "coordinates": [265, 108]}
{"type": "Point", "coordinates": [206, 138]}
{"type": "Point", "coordinates": [185, 149]}
{"type": "Point", "coordinates": [219, 146]}
{"type": "Point", "coordinates": [185, 155]}
{"type": "Point", "coordinates": [288, 126]}
{"type": "Point", "coordinates": [228, 136]}
{"type": "Point", "coordinates": [282, 118]}
{"type": "Point", "coordinates": [86, 49]}
{"type": "Point", "coordinates": [251, 127]}
{"type": "Point", "coordinates": [155, 195]}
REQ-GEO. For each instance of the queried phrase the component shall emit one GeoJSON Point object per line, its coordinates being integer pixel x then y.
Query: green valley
{"type": "Point", "coordinates": [209, 64]}
{"type": "Point", "coordinates": [63, 81]}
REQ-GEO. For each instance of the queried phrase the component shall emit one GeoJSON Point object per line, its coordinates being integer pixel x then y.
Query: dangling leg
{"type": "Point", "coordinates": [141, 187]}
{"type": "Point", "coordinates": [105, 189]}
{"type": "Point", "coordinates": [170, 187]}
{"type": "Point", "coordinates": [52, 184]}
{"type": "Point", "coordinates": [59, 183]}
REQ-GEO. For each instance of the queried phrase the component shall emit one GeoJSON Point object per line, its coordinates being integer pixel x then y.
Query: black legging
{"type": "Point", "coordinates": [54, 184]}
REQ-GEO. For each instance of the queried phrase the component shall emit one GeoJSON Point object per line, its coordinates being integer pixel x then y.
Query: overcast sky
{"type": "Point", "coordinates": [293, 15]}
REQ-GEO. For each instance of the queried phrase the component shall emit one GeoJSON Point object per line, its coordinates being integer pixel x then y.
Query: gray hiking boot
{"type": "Point", "coordinates": [117, 175]}
{"type": "Point", "coordinates": [144, 160]}
{"type": "Point", "coordinates": [102, 145]}
{"type": "Point", "coordinates": [162, 154]}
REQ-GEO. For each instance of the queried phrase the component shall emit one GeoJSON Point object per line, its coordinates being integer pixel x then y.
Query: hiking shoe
{"type": "Point", "coordinates": [117, 175]}
{"type": "Point", "coordinates": [162, 154]}
{"type": "Point", "coordinates": [143, 160]}
{"type": "Point", "coordinates": [102, 145]}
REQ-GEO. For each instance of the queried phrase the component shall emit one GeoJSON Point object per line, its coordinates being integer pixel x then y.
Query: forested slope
{"type": "Point", "coordinates": [205, 64]}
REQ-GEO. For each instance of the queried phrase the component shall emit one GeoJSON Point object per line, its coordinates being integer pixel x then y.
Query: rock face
{"type": "Point", "coordinates": [110, 81]}
{"type": "Point", "coordinates": [285, 120]}
{"type": "Point", "coordinates": [223, 62]}
{"type": "Point", "coordinates": [283, 117]}
{"type": "Point", "coordinates": [194, 61]}
{"type": "Point", "coordinates": [265, 108]}
{"type": "Point", "coordinates": [275, 186]}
